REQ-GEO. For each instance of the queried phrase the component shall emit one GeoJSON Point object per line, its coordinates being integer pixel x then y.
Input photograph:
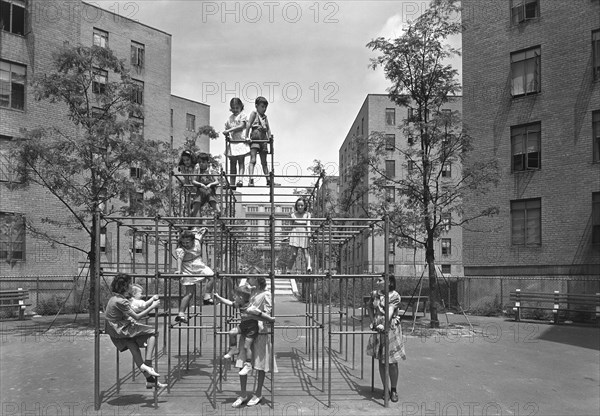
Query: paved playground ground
{"type": "Point", "coordinates": [502, 368]}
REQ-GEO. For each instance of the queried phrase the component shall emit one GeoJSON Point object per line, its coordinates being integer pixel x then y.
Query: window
{"type": "Point", "coordinates": [596, 54]}
{"type": "Point", "coordinates": [525, 144]}
{"type": "Point", "coordinates": [446, 246]}
{"type": "Point", "coordinates": [390, 168]}
{"type": "Point", "coordinates": [446, 268]}
{"type": "Point", "coordinates": [136, 200]}
{"type": "Point", "coordinates": [139, 244]}
{"type": "Point", "coordinates": [596, 218]}
{"type": "Point", "coordinates": [526, 225]}
{"type": "Point", "coordinates": [362, 125]}
{"type": "Point", "coordinates": [411, 139]}
{"type": "Point", "coordinates": [410, 165]}
{"type": "Point", "coordinates": [102, 239]}
{"type": "Point", "coordinates": [410, 114]}
{"type": "Point", "coordinates": [171, 117]}
{"type": "Point", "coordinates": [137, 130]}
{"type": "Point", "coordinates": [391, 269]}
{"type": "Point", "coordinates": [525, 72]}
{"type": "Point", "coordinates": [390, 194]}
{"type": "Point", "coordinates": [596, 135]}
{"type": "Point", "coordinates": [446, 222]}
{"type": "Point", "coordinates": [12, 236]}
{"type": "Point", "coordinates": [447, 170]}
{"type": "Point", "coordinates": [135, 172]}
{"type": "Point", "coordinates": [286, 209]}
{"type": "Point", "coordinates": [100, 80]}
{"type": "Point", "coordinates": [522, 10]}
{"type": "Point", "coordinates": [12, 16]}
{"type": "Point", "coordinates": [137, 55]}
{"type": "Point", "coordinates": [253, 222]}
{"type": "Point", "coordinates": [392, 245]}
{"type": "Point", "coordinates": [190, 122]}
{"type": "Point", "coordinates": [390, 116]}
{"type": "Point", "coordinates": [252, 209]}
{"type": "Point", "coordinates": [100, 38]}
{"type": "Point", "coordinates": [138, 92]}
{"type": "Point", "coordinates": [268, 208]}
{"type": "Point", "coordinates": [12, 85]}
{"type": "Point", "coordinates": [390, 142]}
{"type": "Point", "coordinates": [8, 173]}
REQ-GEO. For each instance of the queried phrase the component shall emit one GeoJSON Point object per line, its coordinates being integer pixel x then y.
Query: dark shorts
{"type": "Point", "coordinates": [204, 196]}
{"type": "Point", "coordinates": [249, 328]}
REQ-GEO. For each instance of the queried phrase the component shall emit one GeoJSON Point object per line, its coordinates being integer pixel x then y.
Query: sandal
{"type": "Point", "coordinates": [181, 318]}
{"type": "Point", "coordinates": [254, 401]}
{"type": "Point", "coordinates": [239, 402]}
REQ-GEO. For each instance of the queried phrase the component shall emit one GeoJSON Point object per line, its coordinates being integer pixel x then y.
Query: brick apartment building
{"type": "Point", "coordinates": [531, 74]}
{"type": "Point", "coordinates": [31, 31]}
{"type": "Point", "coordinates": [379, 114]}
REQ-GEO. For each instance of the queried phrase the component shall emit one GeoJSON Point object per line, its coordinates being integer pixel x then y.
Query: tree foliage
{"type": "Point", "coordinates": [426, 201]}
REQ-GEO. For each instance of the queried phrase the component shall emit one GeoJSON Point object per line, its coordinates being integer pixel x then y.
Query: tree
{"type": "Point", "coordinates": [415, 65]}
{"type": "Point", "coordinates": [87, 163]}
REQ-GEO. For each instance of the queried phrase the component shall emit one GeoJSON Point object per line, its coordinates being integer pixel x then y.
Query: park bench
{"type": "Point", "coordinates": [556, 302]}
{"type": "Point", "coordinates": [15, 299]}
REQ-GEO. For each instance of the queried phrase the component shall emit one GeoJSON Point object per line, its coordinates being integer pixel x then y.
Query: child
{"type": "Point", "coordinates": [299, 234]}
{"type": "Point", "coordinates": [136, 301]}
{"type": "Point", "coordinates": [186, 166]}
{"type": "Point", "coordinates": [248, 327]}
{"type": "Point", "coordinates": [237, 147]}
{"type": "Point", "coordinates": [206, 185]}
{"type": "Point", "coordinates": [260, 131]}
{"type": "Point", "coordinates": [189, 261]}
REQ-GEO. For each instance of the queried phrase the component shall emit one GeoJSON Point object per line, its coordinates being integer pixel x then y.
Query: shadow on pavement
{"type": "Point", "coordinates": [584, 337]}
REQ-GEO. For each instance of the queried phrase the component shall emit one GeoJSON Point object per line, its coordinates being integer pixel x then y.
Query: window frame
{"type": "Point", "coordinates": [596, 54]}
{"type": "Point", "coordinates": [515, 60]}
{"type": "Point", "coordinates": [138, 54]}
{"type": "Point", "coordinates": [446, 246]}
{"type": "Point", "coordinates": [522, 10]}
{"type": "Point", "coordinates": [9, 242]}
{"type": "Point", "coordinates": [99, 87]}
{"type": "Point", "coordinates": [190, 121]}
{"type": "Point", "coordinates": [446, 269]}
{"type": "Point", "coordinates": [138, 92]}
{"type": "Point", "coordinates": [102, 35]}
{"type": "Point", "coordinates": [446, 222]}
{"type": "Point", "coordinates": [390, 142]}
{"type": "Point", "coordinates": [8, 68]}
{"type": "Point", "coordinates": [251, 208]}
{"type": "Point", "coordinates": [390, 165]}
{"type": "Point", "coordinates": [390, 194]}
{"type": "Point", "coordinates": [11, 19]}
{"type": "Point", "coordinates": [596, 136]}
{"type": "Point", "coordinates": [534, 204]}
{"type": "Point", "coordinates": [516, 134]}
{"type": "Point", "coordinates": [595, 219]}
{"type": "Point", "coordinates": [447, 170]}
{"type": "Point", "coordinates": [390, 115]}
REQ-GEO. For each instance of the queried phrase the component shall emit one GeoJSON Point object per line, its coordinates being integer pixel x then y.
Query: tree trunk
{"type": "Point", "coordinates": [434, 300]}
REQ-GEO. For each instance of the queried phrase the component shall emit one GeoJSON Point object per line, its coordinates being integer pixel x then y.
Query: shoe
{"type": "Point", "coordinates": [254, 401]}
{"type": "Point", "coordinates": [239, 402]}
{"type": "Point", "coordinates": [309, 270]}
{"type": "Point", "coordinates": [233, 188]}
{"type": "Point", "coordinates": [144, 368]}
{"type": "Point", "coordinates": [231, 353]}
{"type": "Point", "coordinates": [155, 384]}
{"type": "Point", "coordinates": [394, 396]}
{"type": "Point", "coordinates": [268, 182]}
{"type": "Point", "coordinates": [245, 369]}
{"type": "Point", "coordinates": [207, 302]}
{"type": "Point", "coordinates": [251, 182]}
{"type": "Point", "coordinates": [239, 183]}
{"type": "Point", "coordinates": [181, 318]}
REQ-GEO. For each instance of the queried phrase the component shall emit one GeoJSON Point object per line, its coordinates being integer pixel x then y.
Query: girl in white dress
{"type": "Point", "coordinates": [238, 146]}
{"type": "Point", "coordinates": [299, 234]}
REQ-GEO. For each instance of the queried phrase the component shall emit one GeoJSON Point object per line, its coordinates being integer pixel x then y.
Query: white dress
{"type": "Point", "coordinates": [237, 146]}
{"type": "Point", "coordinates": [192, 263]}
{"type": "Point", "coordinates": [299, 234]}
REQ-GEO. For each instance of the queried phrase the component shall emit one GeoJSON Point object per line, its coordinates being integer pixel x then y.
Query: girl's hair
{"type": "Point", "coordinates": [235, 101]}
{"type": "Point", "coordinates": [261, 100]}
{"type": "Point", "coordinates": [203, 157]}
{"type": "Point", "coordinates": [392, 285]}
{"type": "Point", "coordinates": [137, 287]}
{"type": "Point", "coordinates": [261, 282]}
{"type": "Point", "coordinates": [305, 204]}
{"type": "Point", "coordinates": [120, 283]}
{"type": "Point", "coordinates": [243, 292]}
{"type": "Point", "coordinates": [185, 234]}
{"type": "Point", "coordinates": [186, 153]}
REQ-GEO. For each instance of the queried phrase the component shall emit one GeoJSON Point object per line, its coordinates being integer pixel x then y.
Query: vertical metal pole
{"type": "Point", "coordinates": [156, 277]}
{"type": "Point", "coordinates": [372, 273]}
{"type": "Point", "coordinates": [330, 278]}
{"type": "Point", "coordinates": [97, 313]}
{"type": "Point", "coordinates": [386, 258]}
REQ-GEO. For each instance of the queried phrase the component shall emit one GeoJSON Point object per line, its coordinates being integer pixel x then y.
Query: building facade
{"type": "Point", "coordinates": [31, 32]}
{"type": "Point", "coordinates": [531, 73]}
{"type": "Point", "coordinates": [362, 255]}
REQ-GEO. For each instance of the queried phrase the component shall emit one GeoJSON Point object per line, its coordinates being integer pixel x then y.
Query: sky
{"type": "Point", "coordinates": [307, 58]}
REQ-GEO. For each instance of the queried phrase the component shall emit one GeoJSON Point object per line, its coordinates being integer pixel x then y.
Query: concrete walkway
{"type": "Point", "coordinates": [503, 368]}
